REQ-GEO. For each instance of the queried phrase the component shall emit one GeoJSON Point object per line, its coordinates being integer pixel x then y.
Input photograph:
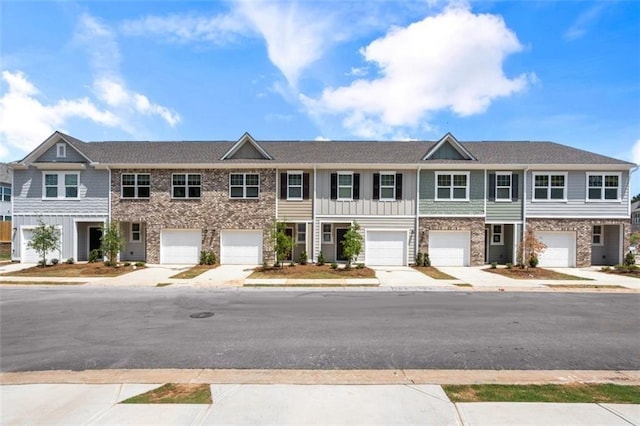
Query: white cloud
{"type": "Point", "coordinates": [635, 152]}
{"type": "Point", "coordinates": [25, 121]}
{"type": "Point", "coordinates": [296, 37]}
{"type": "Point", "coordinates": [580, 26]}
{"type": "Point", "coordinates": [218, 30]}
{"type": "Point", "coordinates": [452, 60]}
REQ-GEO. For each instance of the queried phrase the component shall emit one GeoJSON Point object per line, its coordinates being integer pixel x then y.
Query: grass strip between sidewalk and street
{"type": "Point", "coordinates": [43, 282]}
{"type": "Point", "coordinates": [193, 272]}
{"type": "Point", "coordinates": [434, 273]}
{"type": "Point", "coordinates": [587, 286]}
{"type": "Point", "coordinates": [574, 392]}
{"type": "Point", "coordinates": [174, 393]}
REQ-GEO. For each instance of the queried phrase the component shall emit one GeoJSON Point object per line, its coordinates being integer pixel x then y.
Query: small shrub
{"type": "Point", "coordinates": [110, 263]}
{"type": "Point", "coordinates": [70, 261]}
{"type": "Point", "coordinates": [605, 269]}
{"type": "Point", "coordinates": [42, 263]}
{"type": "Point", "coordinates": [334, 265]}
{"type": "Point", "coordinates": [426, 261]}
{"type": "Point", "coordinates": [292, 264]}
{"type": "Point", "coordinates": [509, 265]}
{"type": "Point", "coordinates": [127, 264]}
{"type": "Point", "coordinates": [94, 256]}
{"type": "Point", "coordinates": [55, 261]}
{"type": "Point", "coordinates": [139, 264]}
{"type": "Point", "coordinates": [533, 260]}
{"type": "Point", "coordinates": [494, 265]}
{"type": "Point", "coordinates": [360, 266]}
{"type": "Point", "coordinates": [419, 258]}
{"type": "Point", "coordinates": [303, 259]}
{"type": "Point", "coordinates": [265, 265]}
{"type": "Point", "coordinates": [321, 259]}
{"type": "Point", "coordinates": [208, 257]}
{"type": "Point", "coordinates": [629, 259]}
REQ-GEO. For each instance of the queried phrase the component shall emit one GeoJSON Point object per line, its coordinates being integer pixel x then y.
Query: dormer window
{"type": "Point", "coordinates": [61, 150]}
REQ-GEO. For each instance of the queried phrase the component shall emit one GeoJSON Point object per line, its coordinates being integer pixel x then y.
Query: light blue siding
{"type": "Point", "coordinates": [72, 156]}
{"type": "Point", "coordinates": [473, 207]}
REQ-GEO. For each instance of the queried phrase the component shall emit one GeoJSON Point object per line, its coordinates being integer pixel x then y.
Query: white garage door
{"type": "Point", "coordinates": [180, 246]}
{"type": "Point", "coordinates": [241, 247]}
{"type": "Point", "coordinates": [386, 248]}
{"type": "Point", "coordinates": [449, 248]}
{"type": "Point", "coordinates": [560, 251]}
{"type": "Point", "coordinates": [28, 255]}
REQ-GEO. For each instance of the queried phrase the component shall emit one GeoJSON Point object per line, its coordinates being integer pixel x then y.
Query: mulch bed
{"type": "Point", "coordinates": [532, 274]}
{"type": "Point", "coordinates": [312, 271]}
{"type": "Point", "coordinates": [96, 269]}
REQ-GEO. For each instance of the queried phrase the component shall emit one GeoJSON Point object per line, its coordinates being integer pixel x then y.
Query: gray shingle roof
{"type": "Point", "coordinates": [336, 152]}
{"type": "Point", "coordinates": [5, 173]}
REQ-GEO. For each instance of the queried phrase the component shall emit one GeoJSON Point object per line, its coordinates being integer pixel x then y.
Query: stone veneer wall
{"type": "Point", "coordinates": [473, 224]}
{"type": "Point", "coordinates": [582, 228]}
{"type": "Point", "coordinates": [211, 213]}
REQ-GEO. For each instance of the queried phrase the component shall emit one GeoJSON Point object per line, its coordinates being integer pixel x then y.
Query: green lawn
{"type": "Point", "coordinates": [174, 393]}
{"type": "Point", "coordinates": [574, 392]}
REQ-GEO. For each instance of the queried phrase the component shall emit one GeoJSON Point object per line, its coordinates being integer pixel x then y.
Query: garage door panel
{"type": "Point", "coordinates": [241, 247]}
{"type": "Point", "coordinates": [449, 248]}
{"type": "Point", "coordinates": [386, 248]}
{"type": "Point", "coordinates": [180, 246]}
{"type": "Point", "coordinates": [29, 255]}
{"type": "Point", "coordinates": [560, 251]}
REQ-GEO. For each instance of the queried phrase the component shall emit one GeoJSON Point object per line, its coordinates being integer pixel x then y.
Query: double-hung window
{"type": "Point", "coordinates": [452, 186]}
{"type": "Point", "coordinates": [596, 235]}
{"type": "Point", "coordinates": [136, 233]}
{"type": "Point", "coordinates": [185, 185]}
{"type": "Point", "coordinates": [497, 235]}
{"type": "Point", "coordinates": [244, 185]}
{"type": "Point", "coordinates": [345, 186]}
{"type": "Point", "coordinates": [387, 186]}
{"type": "Point", "coordinates": [603, 186]}
{"type": "Point", "coordinates": [5, 193]}
{"type": "Point", "coordinates": [61, 185]}
{"type": "Point", "coordinates": [301, 233]}
{"type": "Point", "coordinates": [503, 186]}
{"type": "Point", "coordinates": [136, 185]}
{"type": "Point", "coordinates": [326, 233]}
{"type": "Point", "coordinates": [550, 186]}
{"type": "Point", "coordinates": [294, 186]}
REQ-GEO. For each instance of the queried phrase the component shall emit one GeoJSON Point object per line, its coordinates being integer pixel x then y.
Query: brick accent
{"type": "Point", "coordinates": [582, 228]}
{"type": "Point", "coordinates": [211, 213]}
{"type": "Point", "coordinates": [473, 224]}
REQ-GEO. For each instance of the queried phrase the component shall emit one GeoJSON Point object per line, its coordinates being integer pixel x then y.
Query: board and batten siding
{"type": "Point", "coordinates": [93, 190]}
{"type": "Point", "coordinates": [505, 211]}
{"type": "Point", "coordinates": [296, 209]}
{"type": "Point", "coordinates": [366, 205]}
{"type": "Point", "coordinates": [576, 204]}
{"type": "Point", "coordinates": [473, 207]}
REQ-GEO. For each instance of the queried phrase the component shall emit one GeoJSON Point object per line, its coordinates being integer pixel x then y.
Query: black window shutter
{"type": "Point", "coordinates": [334, 186]}
{"type": "Point", "coordinates": [356, 186]}
{"type": "Point", "coordinates": [376, 186]}
{"type": "Point", "coordinates": [514, 187]}
{"type": "Point", "coordinates": [492, 186]}
{"type": "Point", "coordinates": [283, 186]}
{"type": "Point", "coordinates": [398, 186]}
{"type": "Point", "coordinates": [305, 186]}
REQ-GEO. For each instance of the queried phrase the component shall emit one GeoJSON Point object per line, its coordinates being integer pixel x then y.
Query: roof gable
{"type": "Point", "coordinates": [246, 149]}
{"type": "Point", "coordinates": [51, 141]}
{"type": "Point", "coordinates": [448, 148]}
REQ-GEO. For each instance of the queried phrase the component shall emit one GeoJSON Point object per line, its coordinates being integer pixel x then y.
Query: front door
{"type": "Point", "coordinates": [95, 234]}
{"type": "Point", "coordinates": [339, 246]}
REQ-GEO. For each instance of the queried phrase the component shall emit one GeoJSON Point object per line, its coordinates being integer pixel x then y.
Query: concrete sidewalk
{"type": "Point", "coordinates": [66, 404]}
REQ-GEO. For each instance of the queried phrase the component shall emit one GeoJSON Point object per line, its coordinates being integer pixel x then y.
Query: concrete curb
{"type": "Point", "coordinates": [321, 377]}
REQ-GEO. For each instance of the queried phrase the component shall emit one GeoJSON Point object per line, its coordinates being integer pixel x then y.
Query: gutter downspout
{"type": "Point", "coordinates": [416, 238]}
{"type": "Point", "coordinates": [524, 211]}
{"type": "Point", "coordinates": [313, 216]}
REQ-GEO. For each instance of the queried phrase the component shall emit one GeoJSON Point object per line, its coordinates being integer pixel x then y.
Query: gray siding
{"type": "Point", "coordinates": [133, 250]}
{"type": "Point", "coordinates": [366, 205]}
{"type": "Point", "coordinates": [50, 155]}
{"type": "Point", "coordinates": [93, 191]}
{"type": "Point", "coordinates": [501, 253]}
{"type": "Point", "coordinates": [428, 205]}
{"type": "Point", "coordinates": [576, 204]}
{"type": "Point", "coordinates": [609, 253]}
{"type": "Point", "coordinates": [296, 210]}
{"type": "Point", "coordinates": [507, 211]}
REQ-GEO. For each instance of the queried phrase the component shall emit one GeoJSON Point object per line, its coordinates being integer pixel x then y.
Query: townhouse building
{"type": "Point", "coordinates": [463, 203]}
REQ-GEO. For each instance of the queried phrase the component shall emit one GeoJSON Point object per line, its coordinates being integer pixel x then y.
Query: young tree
{"type": "Point", "coordinates": [45, 238]}
{"type": "Point", "coordinates": [112, 241]}
{"type": "Point", "coordinates": [635, 198]}
{"type": "Point", "coordinates": [530, 248]}
{"type": "Point", "coordinates": [282, 243]}
{"type": "Point", "coordinates": [352, 243]}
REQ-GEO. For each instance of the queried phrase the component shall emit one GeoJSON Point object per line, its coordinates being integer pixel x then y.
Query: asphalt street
{"type": "Point", "coordinates": [79, 328]}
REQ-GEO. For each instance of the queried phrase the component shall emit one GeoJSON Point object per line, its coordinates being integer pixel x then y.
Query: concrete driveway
{"type": "Point", "coordinates": [224, 276]}
{"type": "Point", "coordinates": [403, 276]}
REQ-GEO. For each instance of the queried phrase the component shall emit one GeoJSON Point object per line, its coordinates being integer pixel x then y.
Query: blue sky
{"type": "Point", "coordinates": [566, 71]}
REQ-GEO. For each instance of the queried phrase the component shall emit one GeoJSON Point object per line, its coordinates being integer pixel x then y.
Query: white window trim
{"type": "Point", "coordinates": [393, 197]}
{"type": "Point", "coordinates": [61, 185]}
{"type": "Point", "coordinates": [501, 242]}
{"type": "Point", "coordinates": [322, 232]}
{"type": "Point", "coordinates": [602, 199]}
{"type": "Point", "coordinates": [601, 243]}
{"type": "Point", "coordinates": [508, 199]}
{"type": "Point", "coordinates": [244, 186]}
{"type": "Point", "coordinates": [466, 193]}
{"type": "Point", "coordinates": [131, 232]}
{"type": "Point", "coordinates": [289, 197]}
{"type": "Point", "coordinates": [635, 218]}
{"type": "Point", "coordinates": [350, 198]}
{"type": "Point", "coordinates": [298, 233]}
{"type": "Point", "coordinates": [135, 186]}
{"type": "Point", "coordinates": [549, 200]}
{"type": "Point", "coordinates": [186, 186]}
{"type": "Point", "coordinates": [4, 192]}
{"type": "Point", "coordinates": [61, 150]}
